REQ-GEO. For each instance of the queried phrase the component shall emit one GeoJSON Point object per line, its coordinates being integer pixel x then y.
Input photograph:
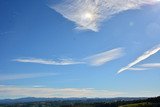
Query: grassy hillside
{"type": "Point", "coordinates": [138, 105]}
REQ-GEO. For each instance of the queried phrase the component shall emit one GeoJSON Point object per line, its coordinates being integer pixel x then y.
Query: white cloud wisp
{"type": "Point", "coordinates": [48, 62]}
{"type": "Point", "coordinates": [24, 76]}
{"type": "Point", "coordinates": [151, 65]}
{"type": "Point", "coordinates": [18, 92]}
{"type": "Point", "coordinates": [88, 14]}
{"type": "Point", "coordinates": [137, 69]}
{"type": "Point", "coordinates": [94, 60]}
{"type": "Point", "coordinates": [104, 57]}
{"type": "Point", "coordinates": [146, 55]}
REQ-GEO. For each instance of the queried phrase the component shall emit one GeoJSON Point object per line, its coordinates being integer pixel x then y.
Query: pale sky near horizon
{"type": "Point", "coordinates": [46, 51]}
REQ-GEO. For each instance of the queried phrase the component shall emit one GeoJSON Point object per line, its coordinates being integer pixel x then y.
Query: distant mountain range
{"type": "Point", "coordinates": [88, 100]}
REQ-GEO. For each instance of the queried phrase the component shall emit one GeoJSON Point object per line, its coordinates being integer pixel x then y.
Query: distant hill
{"type": "Point", "coordinates": [82, 102]}
{"type": "Point", "coordinates": [90, 100]}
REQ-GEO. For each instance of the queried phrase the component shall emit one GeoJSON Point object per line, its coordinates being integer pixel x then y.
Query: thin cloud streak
{"type": "Point", "coordinates": [104, 57]}
{"type": "Point", "coordinates": [151, 65]}
{"type": "Point", "coordinates": [146, 66]}
{"type": "Point", "coordinates": [17, 92]}
{"type": "Point", "coordinates": [146, 55]}
{"type": "Point", "coordinates": [24, 76]}
{"type": "Point", "coordinates": [48, 62]}
{"type": "Point", "coordinates": [89, 14]}
{"type": "Point", "coordinates": [94, 60]}
{"type": "Point", "coordinates": [137, 69]}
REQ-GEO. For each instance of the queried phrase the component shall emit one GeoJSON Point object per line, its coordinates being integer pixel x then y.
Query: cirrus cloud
{"type": "Point", "coordinates": [48, 62]}
{"type": "Point", "coordinates": [151, 65]}
{"type": "Point", "coordinates": [88, 14]}
{"type": "Point", "coordinates": [93, 60]}
{"type": "Point", "coordinates": [102, 58]}
{"type": "Point", "coordinates": [24, 76]}
{"type": "Point", "coordinates": [146, 55]}
{"type": "Point", "coordinates": [17, 92]}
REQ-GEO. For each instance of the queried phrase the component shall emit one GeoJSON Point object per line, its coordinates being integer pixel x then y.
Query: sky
{"type": "Point", "coordinates": [82, 48]}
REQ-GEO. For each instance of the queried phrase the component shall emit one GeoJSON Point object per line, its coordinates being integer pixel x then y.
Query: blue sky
{"type": "Point", "coordinates": [55, 54]}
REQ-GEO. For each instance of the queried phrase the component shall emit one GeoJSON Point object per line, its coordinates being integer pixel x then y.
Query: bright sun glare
{"type": "Point", "coordinates": [88, 16]}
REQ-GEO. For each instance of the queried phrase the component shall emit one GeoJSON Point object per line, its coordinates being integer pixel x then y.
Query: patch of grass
{"type": "Point", "coordinates": [145, 104]}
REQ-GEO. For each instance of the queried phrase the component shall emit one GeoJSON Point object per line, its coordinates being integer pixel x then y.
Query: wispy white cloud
{"type": "Point", "coordinates": [94, 60]}
{"type": "Point", "coordinates": [38, 86]}
{"type": "Point", "coordinates": [24, 76]}
{"type": "Point", "coordinates": [146, 55]}
{"type": "Point", "coordinates": [146, 66]}
{"type": "Point", "coordinates": [137, 69]}
{"type": "Point", "coordinates": [104, 57]}
{"type": "Point", "coordinates": [151, 65]}
{"type": "Point", "coordinates": [48, 62]}
{"type": "Point", "coordinates": [88, 14]}
{"type": "Point", "coordinates": [16, 92]}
